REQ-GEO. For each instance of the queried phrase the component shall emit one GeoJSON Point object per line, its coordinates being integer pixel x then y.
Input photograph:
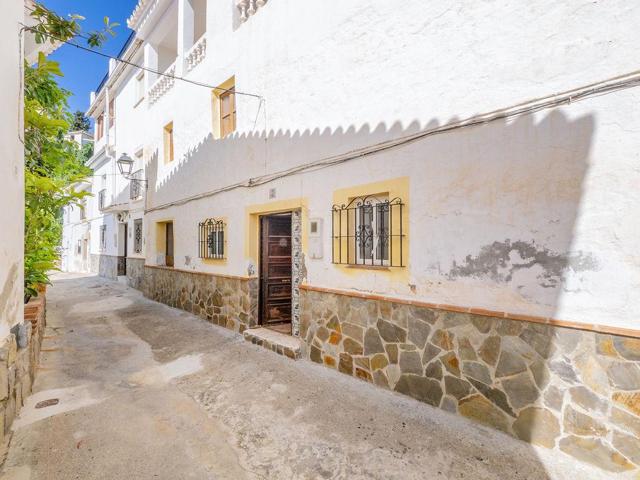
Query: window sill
{"type": "Point", "coordinates": [367, 267]}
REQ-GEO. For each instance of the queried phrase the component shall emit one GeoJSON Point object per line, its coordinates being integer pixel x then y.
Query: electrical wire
{"type": "Point", "coordinates": [141, 67]}
{"type": "Point", "coordinates": [525, 108]}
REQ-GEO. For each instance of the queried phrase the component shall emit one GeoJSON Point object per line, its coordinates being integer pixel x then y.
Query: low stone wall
{"type": "Point", "coordinates": [19, 356]}
{"type": "Point", "coordinates": [105, 265]}
{"type": "Point", "coordinates": [135, 272]}
{"type": "Point", "coordinates": [560, 388]}
{"type": "Point", "coordinates": [231, 302]}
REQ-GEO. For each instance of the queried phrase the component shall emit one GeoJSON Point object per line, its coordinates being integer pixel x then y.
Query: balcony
{"type": "Point", "coordinates": [163, 84]}
{"type": "Point", "coordinates": [196, 54]}
{"type": "Point", "coordinates": [248, 8]}
{"type": "Point", "coordinates": [102, 199]}
{"type": "Point", "coordinates": [135, 185]}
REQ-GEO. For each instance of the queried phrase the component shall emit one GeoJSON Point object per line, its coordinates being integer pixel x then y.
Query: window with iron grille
{"type": "Point", "coordinates": [137, 235]}
{"type": "Point", "coordinates": [368, 231]}
{"type": "Point", "coordinates": [103, 237]}
{"type": "Point", "coordinates": [211, 238]}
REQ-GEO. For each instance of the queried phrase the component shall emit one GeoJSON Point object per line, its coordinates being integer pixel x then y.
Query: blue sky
{"type": "Point", "coordinates": [82, 70]}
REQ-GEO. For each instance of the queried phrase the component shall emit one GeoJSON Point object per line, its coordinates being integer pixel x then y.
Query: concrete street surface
{"type": "Point", "coordinates": [149, 392]}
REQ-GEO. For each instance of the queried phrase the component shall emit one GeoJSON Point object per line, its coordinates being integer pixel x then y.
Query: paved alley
{"type": "Point", "coordinates": [149, 392]}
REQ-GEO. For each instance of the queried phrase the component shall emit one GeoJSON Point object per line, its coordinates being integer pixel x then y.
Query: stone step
{"type": "Point", "coordinates": [277, 342]}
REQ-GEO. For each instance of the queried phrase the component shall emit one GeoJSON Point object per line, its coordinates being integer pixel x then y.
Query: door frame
{"type": "Point", "coordinates": [261, 219]}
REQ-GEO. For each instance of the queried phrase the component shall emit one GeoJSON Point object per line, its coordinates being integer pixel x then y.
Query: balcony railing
{"type": "Point", "coordinates": [163, 84]}
{"type": "Point", "coordinates": [102, 199]}
{"type": "Point", "coordinates": [135, 185]}
{"type": "Point", "coordinates": [248, 8]}
{"type": "Point", "coordinates": [196, 54]}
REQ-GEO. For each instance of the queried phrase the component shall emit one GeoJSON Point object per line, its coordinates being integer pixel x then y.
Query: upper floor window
{"type": "Point", "coordinates": [102, 199]}
{"type": "Point", "coordinates": [100, 126]}
{"type": "Point", "coordinates": [140, 87]}
{"type": "Point", "coordinates": [168, 143]}
{"type": "Point", "coordinates": [211, 238]}
{"type": "Point", "coordinates": [227, 112]}
{"type": "Point", "coordinates": [112, 112]}
{"type": "Point", "coordinates": [224, 109]}
{"type": "Point", "coordinates": [83, 209]}
{"type": "Point", "coordinates": [368, 231]}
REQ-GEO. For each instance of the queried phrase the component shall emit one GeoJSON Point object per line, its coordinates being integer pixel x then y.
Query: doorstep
{"type": "Point", "coordinates": [277, 342]}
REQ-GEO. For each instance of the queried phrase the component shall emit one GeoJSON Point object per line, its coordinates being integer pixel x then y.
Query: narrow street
{"type": "Point", "coordinates": [145, 391]}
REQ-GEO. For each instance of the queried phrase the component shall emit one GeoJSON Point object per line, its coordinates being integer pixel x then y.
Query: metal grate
{"type": "Point", "coordinates": [211, 239]}
{"type": "Point", "coordinates": [137, 236]}
{"type": "Point", "coordinates": [368, 231]}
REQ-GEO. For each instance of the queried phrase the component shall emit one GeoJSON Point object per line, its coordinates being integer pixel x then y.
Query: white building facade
{"type": "Point", "coordinates": [435, 199]}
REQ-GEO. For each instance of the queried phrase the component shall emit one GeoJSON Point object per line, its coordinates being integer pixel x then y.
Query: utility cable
{"type": "Point", "coordinates": [525, 108]}
{"type": "Point", "coordinates": [105, 55]}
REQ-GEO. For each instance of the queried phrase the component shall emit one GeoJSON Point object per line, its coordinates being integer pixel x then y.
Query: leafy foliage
{"type": "Point", "coordinates": [54, 166]}
{"type": "Point", "coordinates": [52, 27]}
{"type": "Point", "coordinates": [80, 122]}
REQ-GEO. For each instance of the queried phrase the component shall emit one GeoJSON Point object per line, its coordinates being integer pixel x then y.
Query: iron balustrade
{"type": "Point", "coordinates": [135, 185]}
{"type": "Point", "coordinates": [211, 239]}
{"type": "Point", "coordinates": [368, 231]}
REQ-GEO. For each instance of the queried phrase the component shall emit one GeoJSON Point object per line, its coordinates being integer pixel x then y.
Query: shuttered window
{"type": "Point", "coordinates": [227, 112]}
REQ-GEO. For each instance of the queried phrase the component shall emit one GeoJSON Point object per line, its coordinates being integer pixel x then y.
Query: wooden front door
{"type": "Point", "coordinates": [275, 269]}
{"type": "Point", "coordinates": [169, 244]}
{"type": "Point", "coordinates": [122, 260]}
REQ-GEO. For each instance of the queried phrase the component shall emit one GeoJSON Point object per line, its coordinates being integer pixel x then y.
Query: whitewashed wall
{"type": "Point", "coordinates": [11, 171]}
{"type": "Point", "coordinates": [530, 216]}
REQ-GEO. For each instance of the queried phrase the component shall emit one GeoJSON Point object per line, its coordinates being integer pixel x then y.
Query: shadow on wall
{"type": "Point", "coordinates": [493, 210]}
{"type": "Point", "coordinates": [492, 207]}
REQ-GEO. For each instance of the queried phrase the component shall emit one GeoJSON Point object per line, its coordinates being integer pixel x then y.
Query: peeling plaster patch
{"type": "Point", "coordinates": [501, 260]}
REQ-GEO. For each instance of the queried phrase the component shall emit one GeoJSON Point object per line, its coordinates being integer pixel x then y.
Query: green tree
{"type": "Point", "coordinates": [54, 166]}
{"type": "Point", "coordinates": [80, 122]}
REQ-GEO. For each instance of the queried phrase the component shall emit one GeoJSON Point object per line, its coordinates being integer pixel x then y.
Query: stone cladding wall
{"type": "Point", "coordinates": [231, 302]}
{"type": "Point", "coordinates": [561, 388]}
{"type": "Point", "coordinates": [135, 272]}
{"type": "Point", "coordinates": [19, 354]}
{"type": "Point", "coordinates": [105, 265]}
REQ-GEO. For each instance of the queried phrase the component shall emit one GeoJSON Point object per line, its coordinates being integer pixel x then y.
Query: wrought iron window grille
{"type": "Point", "coordinates": [211, 239]}
{"type": "Point", "coordinates": [137, 236]}
{"type": "Point", "coordinates": [368, 231]}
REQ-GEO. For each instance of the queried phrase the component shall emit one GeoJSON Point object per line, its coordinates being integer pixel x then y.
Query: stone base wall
{"type": "Point", "coordinates": [231, 302]}
{"type": "Point", "coordinates": [561, 388]}
{"type": "Point", "coordinates": [19, 354]}
{"type": "Point", "coordinates": [105, 265]}
{"type": "Point", "coordinates": [135, 272]}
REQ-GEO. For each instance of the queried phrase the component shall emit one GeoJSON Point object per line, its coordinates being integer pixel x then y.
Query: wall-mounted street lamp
{"type": "Point", "coordinates": [125, 165]}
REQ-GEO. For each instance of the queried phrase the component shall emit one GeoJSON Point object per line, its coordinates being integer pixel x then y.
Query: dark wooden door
{"type": "Point", "coordinates": [275, 269]}
{"type": "Point", "coordinates": [169, 243]}
{"type": "Point", "coordinates": [122, 260]}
